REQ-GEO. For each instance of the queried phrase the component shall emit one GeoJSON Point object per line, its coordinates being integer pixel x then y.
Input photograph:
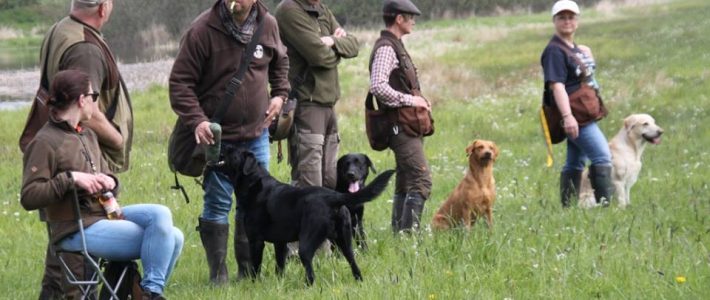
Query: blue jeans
{"type": "Point", "coordinates": [146, 233]}
{"type": "Point", "coordinates": [591, 144]}
{"type": "Point", "coordinates": [218, 188]}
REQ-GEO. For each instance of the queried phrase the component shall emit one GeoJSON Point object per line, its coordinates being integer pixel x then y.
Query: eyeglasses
{"type": "Point", "coordinates": [94, 96]}
{"type": "Point", "coordinates": [565, 17]}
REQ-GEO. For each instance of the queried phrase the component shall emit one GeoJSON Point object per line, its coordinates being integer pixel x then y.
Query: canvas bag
{"type": "Point", "coordinates": [378, 125]}
{"type": "Point", "coordinates": [184, 155]}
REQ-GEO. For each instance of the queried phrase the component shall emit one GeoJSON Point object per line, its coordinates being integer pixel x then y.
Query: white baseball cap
{"type": "Point", "coordinates": [563, 5]}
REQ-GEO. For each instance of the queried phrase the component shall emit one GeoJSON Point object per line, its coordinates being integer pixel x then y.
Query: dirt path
{"type": "Point", "coordinates": [20, 85]}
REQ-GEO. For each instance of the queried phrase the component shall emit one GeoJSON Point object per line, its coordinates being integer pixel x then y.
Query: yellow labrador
{"type": "Point", "coordinates": [626, 150]}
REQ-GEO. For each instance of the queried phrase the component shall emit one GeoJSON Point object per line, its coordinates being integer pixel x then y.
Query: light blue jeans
{"type": "Point", "coordinates": [146, 233]}
{"type": "Point", "coordinates": [218, 188]}
{"type": "Point", "coordinates": [591, 144]}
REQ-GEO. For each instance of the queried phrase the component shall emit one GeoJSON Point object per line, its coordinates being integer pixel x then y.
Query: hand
{"type": "Point", "coordinates": [328, 41]}
{"type": "Point", "coordinates": [274, 109]}
{"type": "Point", "coordinates": [93, 183]}
{"type": "Point", "coordinates": [340, 33]}
{"type": "Point", "coordinates": [203, 134]}
{"type": "Point", "coordinates": [421, 102]}
{"type": "Point", "coordinates": [570, 125]}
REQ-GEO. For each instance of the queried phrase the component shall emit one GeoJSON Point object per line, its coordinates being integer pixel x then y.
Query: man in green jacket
{"type": "Point", "coordinates": [316, 43]}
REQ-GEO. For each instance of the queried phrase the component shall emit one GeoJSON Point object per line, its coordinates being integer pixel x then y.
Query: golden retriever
{"type": "Point", "coordinates": [475, 194]}
{"type": "Point", "coordinates": [626, 150]}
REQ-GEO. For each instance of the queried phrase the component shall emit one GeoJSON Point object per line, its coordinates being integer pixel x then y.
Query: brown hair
{"type": "Point", "coordinates": [67, 87]}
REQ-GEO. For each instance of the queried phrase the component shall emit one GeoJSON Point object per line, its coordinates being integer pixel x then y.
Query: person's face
{"type": "Point", "coordinates": [108, 9]}
{"type": "Point", "coordinates": [566, 22]}
{"type": "Point", "coordinates": [88, 101]}
{"type": "Point", "coordinates": [240, 6]}
{"type": "Point", "coordinates": [406, 23]}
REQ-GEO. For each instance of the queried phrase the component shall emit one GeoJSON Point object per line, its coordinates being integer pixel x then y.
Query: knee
{"type": "Point", "coordinates": [179, 239]}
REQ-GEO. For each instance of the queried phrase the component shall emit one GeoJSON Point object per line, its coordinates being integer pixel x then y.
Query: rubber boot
{"type": "Point", "coordinates": [397, 206]}
{"type": "Point", "coordinates": [600, 178]}
{"type": "Point", "coordinates": [412, 212]}
{"type": "Point", "coordinates": [214, 240]}
{"type": "Point", "coordinates": [569, 186]}
{"type": "Point", "coordinates": [241, 248]}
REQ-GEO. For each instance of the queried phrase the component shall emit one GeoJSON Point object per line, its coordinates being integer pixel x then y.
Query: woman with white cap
{"type": "Point", "coordinates": [569, 68]}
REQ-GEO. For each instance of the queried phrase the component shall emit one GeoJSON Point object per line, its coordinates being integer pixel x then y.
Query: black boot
{"type": "Point", "coordinates": [241, 248]}
{"type": "Point", "coordinates": [397, 205]}
{"type": "Point", "coordinates": [412, 212]}
{"type": "Point", "coordinates": [569, 186]}
{"type": "Point", "coordinates": [214, 240]}
{"type": "Point", "coordinates": [600, 178]}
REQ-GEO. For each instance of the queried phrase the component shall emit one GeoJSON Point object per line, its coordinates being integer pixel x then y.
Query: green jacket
{"type": "Point", "coordinates": [75, 45]}
{"type": "Point", "coordinates": [301, 26]}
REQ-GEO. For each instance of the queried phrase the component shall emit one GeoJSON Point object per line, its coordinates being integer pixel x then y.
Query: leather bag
{"type": "Point", "coordinates": [586, 105]}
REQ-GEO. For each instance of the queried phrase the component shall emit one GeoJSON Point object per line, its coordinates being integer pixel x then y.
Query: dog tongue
{"type": "Point", "coordinates": [656, 141]}
{"type": "Point", "coordinates": [353, 187]}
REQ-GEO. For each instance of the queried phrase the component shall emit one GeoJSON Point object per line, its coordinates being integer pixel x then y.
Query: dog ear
{"type": "Point", "coordinates": [250, 165]}
{"type": "Point", "coordinates": [471, 146]}
{"type": "Point", "coordinates": [370, 164]}
{"type": "Point", "coordinates": [495, 150]}
{"type": "Point", "coordinates": [629, 122]}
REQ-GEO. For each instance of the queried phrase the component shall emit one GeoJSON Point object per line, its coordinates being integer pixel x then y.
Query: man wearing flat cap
{"type": "Point", "coordinates": [76, 42]}
{"type": "Point", "coordinates": [395, 85]}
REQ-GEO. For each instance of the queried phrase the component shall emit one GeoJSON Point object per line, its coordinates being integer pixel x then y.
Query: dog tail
{"type": "Point", "coordinates": [371, 191]}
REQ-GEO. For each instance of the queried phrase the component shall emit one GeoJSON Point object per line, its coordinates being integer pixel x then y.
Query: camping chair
{"type": "Point", "coordinates": [96, 264]}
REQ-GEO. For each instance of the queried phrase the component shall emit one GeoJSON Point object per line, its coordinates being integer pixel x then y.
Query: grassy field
{"type": "Point", "coordinates": [484, 77]}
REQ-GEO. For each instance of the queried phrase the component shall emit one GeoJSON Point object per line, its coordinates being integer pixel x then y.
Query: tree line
{"type": "Point", "coordinates": [141, 29]}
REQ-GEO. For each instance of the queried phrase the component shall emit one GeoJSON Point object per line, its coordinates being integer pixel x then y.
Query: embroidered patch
{"type": "Point", "coordinates": [33, 169]}
{"type": "Point", "coordinates": [259, 52]}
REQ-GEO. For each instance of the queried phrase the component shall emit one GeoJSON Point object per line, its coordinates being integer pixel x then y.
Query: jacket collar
{"type": "Point", "coordinates": [215, 22]}
{"type": "Point", "coordinates": [316, 9]}
{"type": "Point", "coordinates": [94, 30]}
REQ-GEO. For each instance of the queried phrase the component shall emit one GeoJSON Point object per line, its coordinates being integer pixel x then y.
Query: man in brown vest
{"type": "Point", "coordinates": [394, 83]}
{"type": "Point", "coordinates": [75, 42]}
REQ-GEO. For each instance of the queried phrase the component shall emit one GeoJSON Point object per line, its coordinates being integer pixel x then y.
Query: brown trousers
{"type": "Point", "coordinates": [413, 174]}
{"type": "Point", "coordinates": [313, 146]}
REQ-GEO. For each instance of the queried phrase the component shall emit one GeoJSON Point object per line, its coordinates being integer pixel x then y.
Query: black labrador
{"type": "Point", "coordinates": [280, 213]}
{"type": "Point", "coordinates": [352, 172]}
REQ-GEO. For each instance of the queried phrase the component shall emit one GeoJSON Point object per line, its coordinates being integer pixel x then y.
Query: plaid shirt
{"type": "Point", "coordinates": [383, 63]}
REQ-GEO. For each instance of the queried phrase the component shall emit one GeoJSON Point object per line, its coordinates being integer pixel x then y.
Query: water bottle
{"type": "Point", "coordinates": [212, 151]}
{"type": "Point", "coordinates": [110, 204]}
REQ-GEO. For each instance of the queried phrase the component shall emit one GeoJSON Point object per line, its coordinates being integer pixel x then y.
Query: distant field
{"type": "Point", "coordinates": [484, 78]}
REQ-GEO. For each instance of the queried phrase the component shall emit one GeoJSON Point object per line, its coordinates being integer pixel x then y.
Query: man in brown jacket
{"type": "Point", "coordinates": [210, 54]}
{"type": "Point", "coordinates": [76, 42]}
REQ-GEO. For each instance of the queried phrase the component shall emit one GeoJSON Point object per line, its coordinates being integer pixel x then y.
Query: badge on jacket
{"type": "Point", "coordinates": [259, 52]}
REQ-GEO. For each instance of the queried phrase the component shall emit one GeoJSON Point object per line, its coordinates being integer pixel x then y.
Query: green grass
{"type": "Point", "coordinates": [651, 59]}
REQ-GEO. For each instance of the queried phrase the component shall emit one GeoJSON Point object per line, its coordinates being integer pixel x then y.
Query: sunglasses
{"type": "Point", "coordinates": [94, 96]}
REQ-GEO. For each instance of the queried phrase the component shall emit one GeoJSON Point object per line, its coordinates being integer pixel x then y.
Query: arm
{"type": "Point", "coordinates": [39, 188]}
{"type": "Point", "coordinates": [278, 78]}
{"type": "Point", "coordinates": [345, 45]}
{"type": "Point", "coordinates": [383, 63]}
{"type": "Point", "coordinates": [184, 78]}
{"type": "Point", "coordinates": [297, 28]}
{"type": "Point", "coordinates": [89, 59]}
{"type": "Point", "coordinates": [562, 100]}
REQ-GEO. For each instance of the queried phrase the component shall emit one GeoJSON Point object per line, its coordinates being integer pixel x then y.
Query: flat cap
{"type": "Point", "coordinates": [91, 2]}
{"type": "Point", "coordinates": [394, 7]}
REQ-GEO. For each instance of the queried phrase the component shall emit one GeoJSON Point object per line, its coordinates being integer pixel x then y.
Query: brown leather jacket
{"type": "Point", "coordinates": [208, 59]}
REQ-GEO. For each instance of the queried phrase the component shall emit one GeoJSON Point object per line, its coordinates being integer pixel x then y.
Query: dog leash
{"type": "Point", "coordinates": [548, 140]}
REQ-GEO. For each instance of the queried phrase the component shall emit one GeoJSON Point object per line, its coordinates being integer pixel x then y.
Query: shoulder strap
{"type": "Point", "coordinates": [44, 82]}
{"type": "Point", "coordinates": [566, 49]}
{"type": "Point", "coordinates": [236, 81]}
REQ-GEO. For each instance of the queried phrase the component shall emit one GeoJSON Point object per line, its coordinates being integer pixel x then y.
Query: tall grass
{"type": "Point", "coordinates": [651, 59]}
